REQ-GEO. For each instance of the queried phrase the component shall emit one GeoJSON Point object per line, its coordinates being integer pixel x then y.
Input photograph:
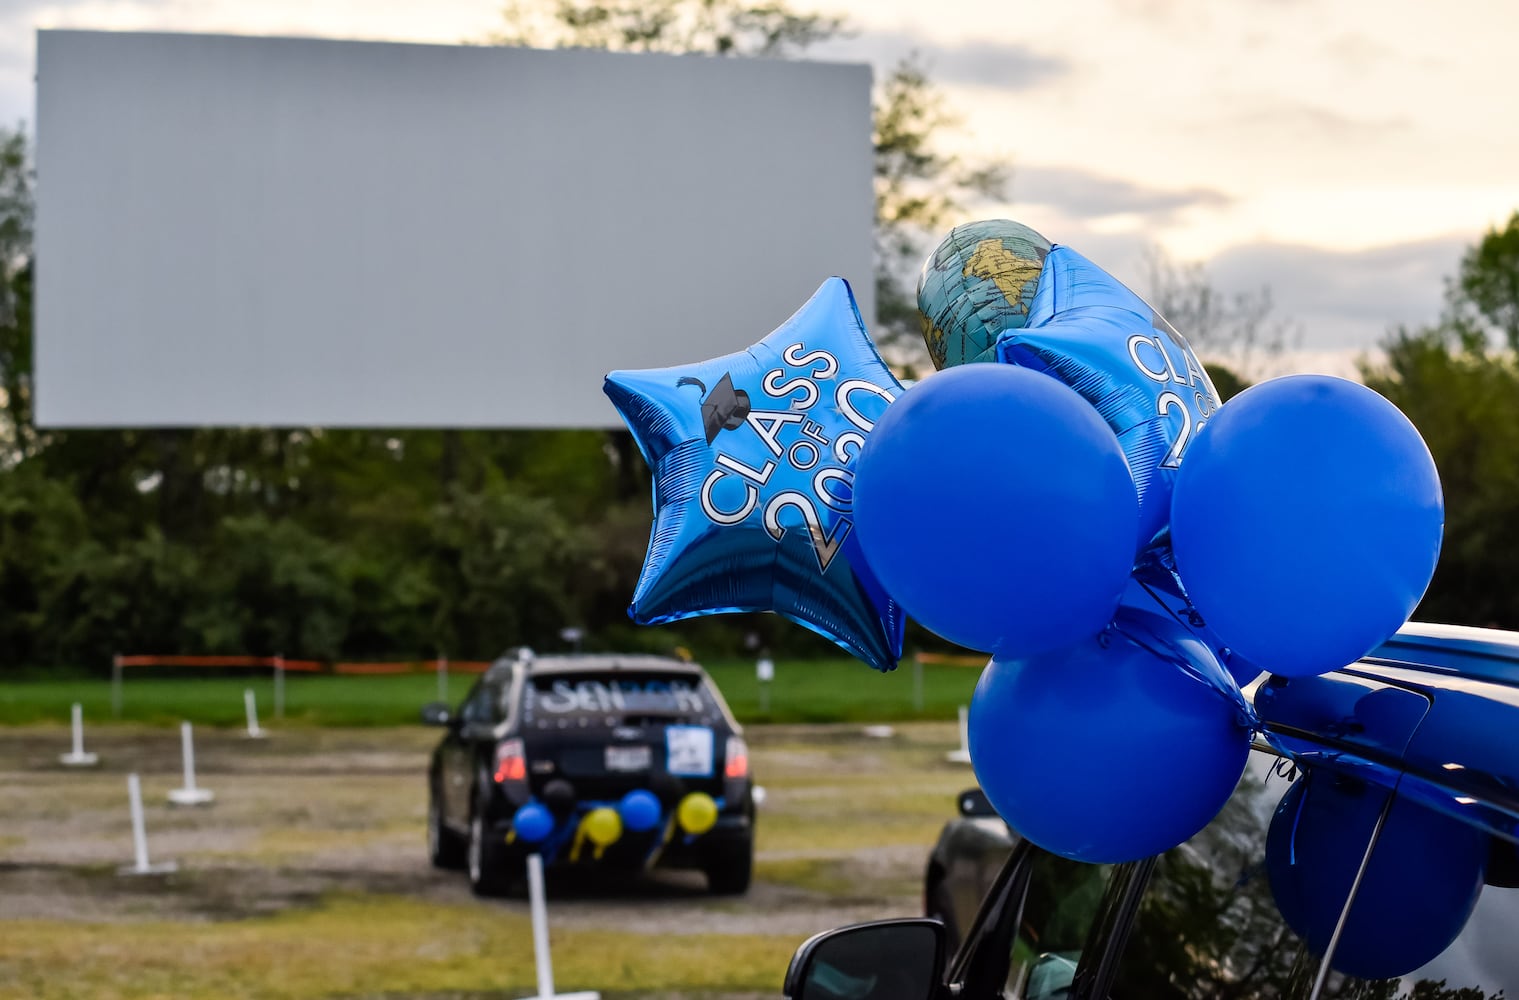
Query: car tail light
{"type": "Point", "coordinates": [511, 762]}
{"type": "Point", "coordinates": [736, 758]}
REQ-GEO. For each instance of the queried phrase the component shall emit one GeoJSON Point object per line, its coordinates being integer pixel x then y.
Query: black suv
{"type": "Point", "coordinates": [1426, 725]}
{"type": "Point", "coordinates": [573, 734]}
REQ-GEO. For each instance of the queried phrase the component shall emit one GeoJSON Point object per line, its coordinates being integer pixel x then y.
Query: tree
{"type": "Point", "coordinates": [716, 27]}
{"type": "Point", "coordinates": [918, 191]}
{"type": "Point", "coordinates": [1460, 388]}
{"type": "Point", "coordinates": [1236, 333]}
{"type": "Point", "coordinates": [1485, 293]}
{"type": "Point", "coordinates": [918, 188]}
{"type": "Point", "coordinates": [16, 289]}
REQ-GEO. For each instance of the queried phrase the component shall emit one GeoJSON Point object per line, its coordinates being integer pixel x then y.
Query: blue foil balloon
{"type": "Point", "coordinates": [1306, 523]}
{"type": "Point", "coordinates": [532, 823]}
{"type": "Point", "coordinates": [753, 456]}
{"type": "Point", "coordinates": [1418, 890]}
{"type": "Point", "coordinates": [996, 506]}
{"type": "Point", "coordinates": [1119, 747]}
{"type": "Point", "coordinates": [639, 810]}
{"type": "Point", "coordinates": [998, 291]}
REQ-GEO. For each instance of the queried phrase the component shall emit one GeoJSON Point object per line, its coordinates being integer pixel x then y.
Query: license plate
{"type": "Point", "coordinates": [628, 758]}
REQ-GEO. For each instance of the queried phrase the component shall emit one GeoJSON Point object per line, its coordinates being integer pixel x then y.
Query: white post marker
{"type": "Point", "coordinates": [116, 686]}
{"type": "Point", "coordinates": [764, 673]}
{"type": "Point", "coordinates": [279, 685]}
{"type": "Point", "coordinates": [540, 911]}
{"type": "Point", "coordinates": [189, 795]}
{"type": "Point", "coordinates": [962, 755]}
{"type": "Point", "coordinates": [250, 708]}
{"type": "Point", "coordinates": [442, 676]}
{"type": "Point", "coordinates": [140, 837]}
{"type": "Point", "coordinates": [77, 757]}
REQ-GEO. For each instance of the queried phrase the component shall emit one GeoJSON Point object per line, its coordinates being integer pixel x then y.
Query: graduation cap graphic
{"type": "Point", "coordinates": [725, 407]}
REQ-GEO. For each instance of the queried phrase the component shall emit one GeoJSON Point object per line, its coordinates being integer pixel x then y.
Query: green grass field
{"type": "Point", "coordinates": [835, 690]}
{"type": "Point", "coordinates": [307, 877]}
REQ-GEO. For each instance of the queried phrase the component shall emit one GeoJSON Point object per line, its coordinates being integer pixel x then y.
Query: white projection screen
{"type": "Point", "coordinates": [238, 231]}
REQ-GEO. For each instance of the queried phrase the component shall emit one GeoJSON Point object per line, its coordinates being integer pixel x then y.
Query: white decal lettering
{"type": "Point", "coordinates": [846, 406]}
{"type": "Point", "coordinates": [824, 547]}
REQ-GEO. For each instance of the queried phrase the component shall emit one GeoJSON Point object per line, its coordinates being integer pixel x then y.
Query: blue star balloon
{"type": "Point", "coordinates": [997, 290]}
{"type": "Point", "coordinates": [753, 457]}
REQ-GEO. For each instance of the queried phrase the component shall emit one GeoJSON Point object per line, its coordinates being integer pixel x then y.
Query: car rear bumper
{"type": "Point", "coordinates": [659, 848]}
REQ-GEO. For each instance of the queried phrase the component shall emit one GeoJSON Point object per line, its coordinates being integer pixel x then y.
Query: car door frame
{"type": "Point", "coordinates": [462, 750]}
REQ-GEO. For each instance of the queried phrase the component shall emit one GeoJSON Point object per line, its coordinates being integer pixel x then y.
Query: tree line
{"type": "Point", "coordinates": [323, 543]}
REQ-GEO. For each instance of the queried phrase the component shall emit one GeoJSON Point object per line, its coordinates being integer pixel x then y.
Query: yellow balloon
{"type": "Point", "coordinates": [602, 826]}
{"type": "Point", "coordinates": [697, 813]}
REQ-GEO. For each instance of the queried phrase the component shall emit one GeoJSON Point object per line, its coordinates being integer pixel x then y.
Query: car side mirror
{"type": "Point", "coordinates": [881, 960]}
{"type": "Point", "coordinates": [973, 803]}
{"type": "Point", "coordinates": [437, 713]}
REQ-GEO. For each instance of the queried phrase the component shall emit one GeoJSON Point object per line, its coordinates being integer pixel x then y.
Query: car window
{"type": "Point", "coordinates": [1208, 925]}
{"type": "Point", "coordinates": [1482, 963]}
{"type": "Point", "coordinates": [552, 700]}
{"type": "Point", "coordinates": [480, 705]}
{"type": "Point", "coordinates": [1059, 907]}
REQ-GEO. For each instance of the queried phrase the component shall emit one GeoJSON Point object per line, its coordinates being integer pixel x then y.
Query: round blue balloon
{"type": "Point", "coordinates": [532, 823]}
{"type": "Point", "coordinates": [1420, 886]}
{"type": "Point", "coordinates": [996, 507]}
{"type": "Point", "coordinates": [639, 810]}
{"type": "Point", "coordinates": [1306, 523]}
{"type": "Point", "coordinates": [1119, 747]}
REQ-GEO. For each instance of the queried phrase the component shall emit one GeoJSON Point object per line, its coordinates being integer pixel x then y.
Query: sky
{"type": "Point", "coordinates": [1342, 154]}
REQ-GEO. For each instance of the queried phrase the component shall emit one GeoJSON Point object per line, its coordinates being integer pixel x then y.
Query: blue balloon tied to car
{"type": "Point", "coordinates": [532, 823]}
{"type": "Point", "coordinates": [1417, 890]}
{"type": "Point", "coordinates": [1046, 730]}
{"type": "Point", "coordinates": [639, 810]}
{"type": "Point", "coordinates": [1312, 492]}
{"type": "Point", "coordinates": [996, 506]}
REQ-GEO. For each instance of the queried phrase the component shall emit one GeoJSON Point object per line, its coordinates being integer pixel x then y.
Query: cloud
{"type": "Point", "coordinates": [1079, 194]}
{"type": "Point", "coordinates": [1344, 302]}
{"type": "Point", "coordinates": [1360, 53]}
{"type": "Point", "coordinates": [992, 65]}
{"type": "Point", "coordinates": [1305, 122]}
{"type": "Point", "coordinates": [1345, 299]}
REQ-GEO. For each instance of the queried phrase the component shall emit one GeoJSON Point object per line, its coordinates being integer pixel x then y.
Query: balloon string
{"type": "Point", "coordinates": [1296, 817]}
{"type": "Point", "coordinates": [575, 847]}
{"type": "Point", "coordinates": [1244, 711]}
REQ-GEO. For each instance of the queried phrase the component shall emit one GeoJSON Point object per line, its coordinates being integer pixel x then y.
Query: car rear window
{"type": "Point", "coordinates": [617, 696]}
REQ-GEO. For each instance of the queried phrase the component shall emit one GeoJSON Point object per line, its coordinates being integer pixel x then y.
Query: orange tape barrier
{"type": "Point", "coordinates": [375, 668]}
{"type": "Point", "coordinates": [951, 659]}
{"type": "Point", "coordinates": [308, 666]}
{"type": "Point", "coordinates": [196, 661]}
